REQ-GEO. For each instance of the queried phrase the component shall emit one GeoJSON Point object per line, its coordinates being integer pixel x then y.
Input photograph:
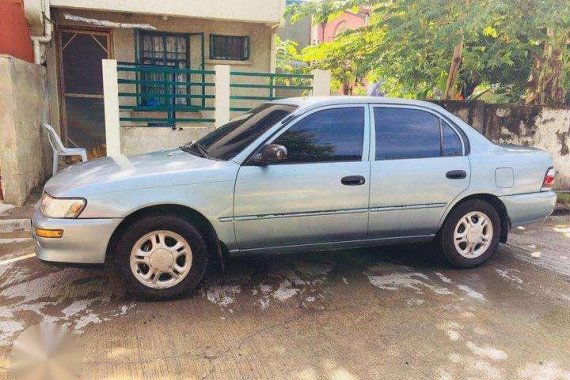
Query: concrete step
{"type": "Point", "coordinates": [15, 243]}
{"type": "Point", "coordinates": [5, 207]}
{"type": "Point", "coordinates": [21, 234]}
{"type": "Point", "coordinates": [15, 225]}
{"type": "Point", "coordinates": [8, 251]}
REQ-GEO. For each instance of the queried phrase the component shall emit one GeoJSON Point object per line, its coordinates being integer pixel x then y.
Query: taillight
{"type": "Point", "coordinates": [548, 179]}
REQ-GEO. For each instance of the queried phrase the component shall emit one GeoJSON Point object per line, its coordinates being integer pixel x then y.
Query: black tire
{"type": "Point", "coordinates": [150, 223]}
{"type": "Point", "coordinates": [445, 238]}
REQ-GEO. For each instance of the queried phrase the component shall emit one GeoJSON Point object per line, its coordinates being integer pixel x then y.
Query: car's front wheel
{"type": "Point", "coordinates": [470, 234]}
{"type": "Point", "coordinates": [161, 256]}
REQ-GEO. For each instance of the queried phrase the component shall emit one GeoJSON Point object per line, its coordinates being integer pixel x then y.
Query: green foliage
{"type": "Point", "coordinates": [288, 59]}
{"type": "Point", "coordinates": [408, 45]}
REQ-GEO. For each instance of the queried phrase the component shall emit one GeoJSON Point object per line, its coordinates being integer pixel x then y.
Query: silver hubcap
{"type": "Point", "coordinates": [473, 234]}
{"type": "Point", "coordinates": [161, 259]}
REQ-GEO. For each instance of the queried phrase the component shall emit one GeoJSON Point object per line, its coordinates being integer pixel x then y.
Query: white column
{"type": "Point", "coordinates": [321, 82]}
{"type": "Point", "coordinates": [222, 101]}
{"type": "Point", "coordinates": [111, 103]}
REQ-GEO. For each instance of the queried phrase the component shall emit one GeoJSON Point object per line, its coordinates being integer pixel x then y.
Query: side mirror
{"type": "Point", "coordinates": [270, 154]}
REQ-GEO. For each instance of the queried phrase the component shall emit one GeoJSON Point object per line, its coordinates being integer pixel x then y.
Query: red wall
{"type": "Point", "coordinates": [14, 31]}
{"type": "Point", "coordinates": [326, 32]}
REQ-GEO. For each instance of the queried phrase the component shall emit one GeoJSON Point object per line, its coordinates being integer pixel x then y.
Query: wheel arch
{"type": "Point", "coordinates": [495, 202]}
{"type": "Point", "coordinates": [214, 245]}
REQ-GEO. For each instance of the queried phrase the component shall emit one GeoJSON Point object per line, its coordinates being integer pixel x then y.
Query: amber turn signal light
{"type": "Point", "coordinates": [50, 234]}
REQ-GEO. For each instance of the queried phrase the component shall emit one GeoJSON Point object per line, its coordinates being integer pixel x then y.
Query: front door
{"type": "Point", "coordinates": [420, 167]}
{"type": "Point", "coordinates": [81, 81]}
{"type": "Point", "coordinates": [319, 194]}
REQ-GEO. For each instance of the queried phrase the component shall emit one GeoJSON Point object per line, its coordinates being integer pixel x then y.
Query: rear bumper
{"type": "Point", "coordinates": [84, 241]}
{"type": "Point", "coordinates": [529, 208]}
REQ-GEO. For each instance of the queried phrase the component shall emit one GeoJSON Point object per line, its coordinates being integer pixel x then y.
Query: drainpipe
{"type": "Point", "coordinates": [48, 27]}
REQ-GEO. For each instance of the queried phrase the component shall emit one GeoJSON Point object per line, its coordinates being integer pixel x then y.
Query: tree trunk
{"type": "Point", "coordinates": [454, 69]}
{"type": "Point", "coordinates": [544, 85]}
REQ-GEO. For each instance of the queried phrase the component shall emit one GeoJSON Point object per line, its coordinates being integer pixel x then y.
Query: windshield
{"type": "Point", "coordinates": [227, 141]}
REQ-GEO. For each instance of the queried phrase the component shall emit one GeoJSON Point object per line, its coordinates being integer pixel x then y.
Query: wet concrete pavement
{"type": "Point", "coordinates": [391, 313]}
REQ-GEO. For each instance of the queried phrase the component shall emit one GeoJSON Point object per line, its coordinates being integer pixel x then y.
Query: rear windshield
{"type": "Point", "coordinates": [226, 142]}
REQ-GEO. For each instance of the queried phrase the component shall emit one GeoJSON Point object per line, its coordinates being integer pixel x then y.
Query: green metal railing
{"type": "Point", "coordinates": [158, 96]}
{"type": "Point", "coordinates": [165, 90]}
{"type": "Point", "coordinates": [272, 86]}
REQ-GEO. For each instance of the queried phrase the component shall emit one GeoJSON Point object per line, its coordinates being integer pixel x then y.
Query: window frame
{"type": "Point", "coordinates": [139, 59]}
{"type": "Point", "coordinates": [139, 44]}
{"type": "Point", "coordinates": [366, 141]}
{"type": "Point", "coordinates": [441, 118]}
{"type": "Point", "coordinates": [227, 36]}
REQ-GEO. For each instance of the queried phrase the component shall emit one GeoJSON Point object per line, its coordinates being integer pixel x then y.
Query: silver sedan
{"type": "Point", "coordinates": [294, 175]}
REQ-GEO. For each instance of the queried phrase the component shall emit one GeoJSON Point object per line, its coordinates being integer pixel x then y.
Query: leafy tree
{"type": "Point", "coordinates": [443, 48]}
{"type": "Point", "coordinates": [288, 58]}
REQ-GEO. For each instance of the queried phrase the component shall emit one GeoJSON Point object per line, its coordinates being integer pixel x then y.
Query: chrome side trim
{"type": "Point", "coordinates": [345, 244]}
{"type": "Point", "coordinates": [293, 214]}
{"type": "Point", "coordinates": [408, 207]}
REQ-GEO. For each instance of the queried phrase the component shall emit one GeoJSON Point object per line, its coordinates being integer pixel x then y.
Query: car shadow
{"type": "Point", "coordinates": [419, 256]}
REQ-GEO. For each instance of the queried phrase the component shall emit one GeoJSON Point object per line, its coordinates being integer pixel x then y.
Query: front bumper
{"type": "Point", "coordinates": [84, 241]}
{"type": "Point", "coordinates": [529, 208]}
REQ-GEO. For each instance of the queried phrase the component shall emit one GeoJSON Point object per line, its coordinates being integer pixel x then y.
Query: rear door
{"type": "Point", "coordinates": [419, 167]}
{"type": "Point", "coordinates": [319, 195]}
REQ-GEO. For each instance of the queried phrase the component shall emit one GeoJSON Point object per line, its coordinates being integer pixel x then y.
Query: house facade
{"type": "Point", "coordinates": [166, 36]}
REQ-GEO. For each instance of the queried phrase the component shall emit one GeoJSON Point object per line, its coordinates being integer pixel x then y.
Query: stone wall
{"type": "Point", "coordinates": [25, 154]}
{"type": "Point", "coordinates": [542, 127]}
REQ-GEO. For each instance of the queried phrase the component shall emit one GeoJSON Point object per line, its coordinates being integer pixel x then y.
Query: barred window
{"type": "Point", "coordinates": [235, 48]}
{"type": "Point", "coordinates": [162, 49]}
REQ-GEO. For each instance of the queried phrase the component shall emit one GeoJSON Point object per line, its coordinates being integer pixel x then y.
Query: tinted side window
{"type": "Point", "coordinates": [328, 135]}
{"type": "Point", "coordinates": [406, 133]}
{"type": "Point", "coordinates": [229, 140]}
{"type": "Point", "coordinates": [451, 141]}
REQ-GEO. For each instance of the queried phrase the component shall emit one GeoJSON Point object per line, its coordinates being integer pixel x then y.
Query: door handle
{"type": "Point", "coordinates": [456, 174]}
{"type": "Point", "coordinates": [353, 180]}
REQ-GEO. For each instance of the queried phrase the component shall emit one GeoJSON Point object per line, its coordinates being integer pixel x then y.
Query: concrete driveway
{"type": "Point", "coordinates": [390, 313]}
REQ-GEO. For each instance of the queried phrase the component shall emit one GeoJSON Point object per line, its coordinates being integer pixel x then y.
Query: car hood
{"type": "Point", "coordinates": [121, 172]}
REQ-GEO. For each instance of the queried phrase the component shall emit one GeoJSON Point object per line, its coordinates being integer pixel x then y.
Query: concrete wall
{"type": "Point", "coordinates": [137, 140]}
{"type": "Point", "coordinates": [299, 32]}
{"type": "Point", "coordinates": [25, 155]}
{"type": "Point", "coordinates": [542, 127]}
{"type": "Point", "coordinates": [263, 11]}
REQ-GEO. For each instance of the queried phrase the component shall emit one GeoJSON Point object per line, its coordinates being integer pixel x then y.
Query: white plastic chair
{"type": "Point", "coordinates": [60, 150]}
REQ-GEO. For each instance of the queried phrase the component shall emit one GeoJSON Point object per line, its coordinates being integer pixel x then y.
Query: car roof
{"type": "Point", "coordinates": [314, 101]}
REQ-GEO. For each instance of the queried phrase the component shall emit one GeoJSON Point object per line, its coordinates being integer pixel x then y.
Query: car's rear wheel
{"type": "Point", "coordinates": [161, 256]}
{"type": "Point", "coordinates": [470, 234]}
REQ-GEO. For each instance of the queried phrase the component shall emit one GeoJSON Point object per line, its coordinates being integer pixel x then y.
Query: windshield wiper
{"type": "Point", "coordinates": [199, 148]}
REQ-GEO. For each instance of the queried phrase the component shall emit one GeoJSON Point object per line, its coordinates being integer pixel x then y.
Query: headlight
{"type": "Point", "coordinates": [61, 207]}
